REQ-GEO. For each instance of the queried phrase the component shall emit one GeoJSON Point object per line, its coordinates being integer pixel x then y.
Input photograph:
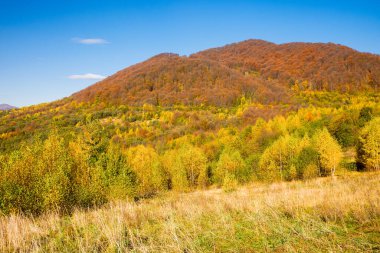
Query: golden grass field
{"type": "Point", "coordinates": [339, 214]}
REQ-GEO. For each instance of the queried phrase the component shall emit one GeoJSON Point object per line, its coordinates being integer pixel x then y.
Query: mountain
{"type": "Point", "coordinates": [323, 65]}
{"type": "Point", "coordinates": [168, 79]}
{"type": "Point", "coordinates": [5, 107]}
{"type": "Point", "coordinates": [257, 69]}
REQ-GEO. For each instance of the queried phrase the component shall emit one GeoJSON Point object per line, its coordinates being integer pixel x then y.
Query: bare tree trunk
{"type": "Point", "coordinates": [333, 171]}
{"type": "Point", "coordinates": [281, 164]}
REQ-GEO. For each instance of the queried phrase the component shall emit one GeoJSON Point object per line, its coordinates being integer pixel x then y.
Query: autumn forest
{"type": "Point", "coordinates": [249, 113]}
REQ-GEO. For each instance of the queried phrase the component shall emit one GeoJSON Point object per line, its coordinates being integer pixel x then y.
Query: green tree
{"type": "Point", "coordinates": [365, 115]}
{"type": "Point", "coordinates": [87, 179]}
{"type": "Point", "coordinates": [344, 127]}
{"type": "Point", "coordinates": [119, 178]}
{"type": "Point", "coordinates": [307, 162]}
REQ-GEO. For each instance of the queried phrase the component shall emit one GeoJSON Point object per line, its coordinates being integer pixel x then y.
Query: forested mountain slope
{"type": "Point", "coordinates": [257, 69]}
{"type": "Point", "coordinates": [323, 65]}
{"type": "Point", "coordinates": [168, 79]}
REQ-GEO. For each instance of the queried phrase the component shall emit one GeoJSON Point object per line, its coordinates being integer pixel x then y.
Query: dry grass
{"type": "Point", "coordinates": [322, 215]}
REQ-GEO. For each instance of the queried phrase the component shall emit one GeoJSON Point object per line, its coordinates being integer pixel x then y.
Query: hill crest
{"type": "Point", "coordinates": [261, 70]}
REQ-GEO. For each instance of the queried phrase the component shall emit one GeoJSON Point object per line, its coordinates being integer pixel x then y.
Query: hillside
{"type": "Point", "coordinates": [257, 69]}
{"type": "Point", "coordinates": [168, 79]}
{"type": "Point", "coordinates": [180, 124]}
{"type": "Point", "coordinates": [324, 65]}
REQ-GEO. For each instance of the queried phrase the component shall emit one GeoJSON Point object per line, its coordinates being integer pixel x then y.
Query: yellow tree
{"type": "Point", "coordinates": [369, 145]}
{"type": "Point", "coordinates": [329, 152]}
{"type": "Point", "coordinates": [119, 178]}
{"type": "Point", "coordinates": [187, 167]}
{"type": "Point", "coordinates": [230, 165]}
{"type": "Point", "coordinates": [145, 163]}
{"type": "Point", "coordinates": [177, 173]}
{"type": "Point", "coordinates": [278, 160]}
{"type": "Point", "coordinates": [87, 180]}
{"type": "Point", "coordinates": [21, 181]}
{"type": "Point", "coordinates": [56, 166]}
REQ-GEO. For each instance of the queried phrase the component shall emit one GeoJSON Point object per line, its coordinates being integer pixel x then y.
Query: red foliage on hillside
{"type": "Point", "coordinates": [168, 79]}
{"type": "Point", "coordinates": [256, 69]}
{"type": "Point", "coordinates": [325, 66]}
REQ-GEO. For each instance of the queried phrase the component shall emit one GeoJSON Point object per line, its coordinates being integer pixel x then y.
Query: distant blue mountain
{"type": "Point", "coordinates": [5, 107]}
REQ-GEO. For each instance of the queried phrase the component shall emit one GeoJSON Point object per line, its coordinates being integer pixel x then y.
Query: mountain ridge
{"type": "Point", "coordinates": [324, 65]}
{"type": "Point", "coordinates": [172, 79]}
{"type": "Point", "coordinates": [258, 69]}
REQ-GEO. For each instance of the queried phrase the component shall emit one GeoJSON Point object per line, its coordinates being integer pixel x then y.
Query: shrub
{"type": "Point", "coordinates": [230, 183]}
{"type": "Point", "coordinates": [310, 171]}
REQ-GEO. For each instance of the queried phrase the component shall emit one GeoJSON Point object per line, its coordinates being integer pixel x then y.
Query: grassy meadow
{"type": "Point", "coordinates": [332, 214]}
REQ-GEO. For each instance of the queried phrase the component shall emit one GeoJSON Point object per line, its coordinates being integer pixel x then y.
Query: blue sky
{"type": "Point", "coordinates": [51, 49]}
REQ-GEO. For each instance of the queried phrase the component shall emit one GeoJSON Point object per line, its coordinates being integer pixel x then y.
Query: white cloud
{"type": "Point", "coordinates": [86, 77]}
{"type": "Point", "coordinates": [90, 41]}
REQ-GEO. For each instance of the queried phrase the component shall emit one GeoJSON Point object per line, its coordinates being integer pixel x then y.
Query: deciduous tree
{"type": "Point", "coordinates": [369, 145]}
{"type": "Point", "coordinates": [329, 152]}
{"type": "Point", "coordinates": [145, 163]}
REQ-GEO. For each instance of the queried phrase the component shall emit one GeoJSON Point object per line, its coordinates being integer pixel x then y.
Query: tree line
{"type": "Point", "coordinates": [67, 170]}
